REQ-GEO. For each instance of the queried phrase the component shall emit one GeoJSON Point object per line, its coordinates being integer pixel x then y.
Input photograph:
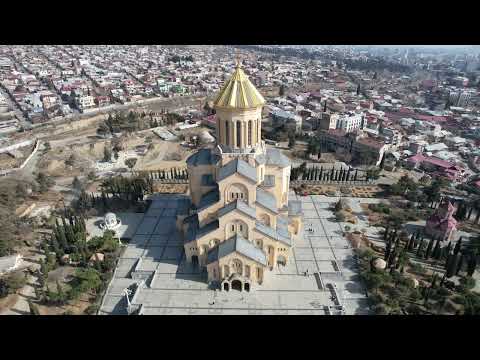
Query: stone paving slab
{"type": "Point", "coordinates": [179, 287]}
{"type": "Point", "coordinates": [133, 252]}
{"type": "Point", "coordinates": [154, 252]}
{"type": "Point", "coordinates": [147, 225]}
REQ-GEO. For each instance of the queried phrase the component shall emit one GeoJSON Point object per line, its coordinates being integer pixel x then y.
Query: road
{"type": "Point", "coordinates": [18, 113]}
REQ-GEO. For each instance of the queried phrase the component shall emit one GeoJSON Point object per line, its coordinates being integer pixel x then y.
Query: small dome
{"type": "Point", "coordinates": [379, 264]}
{"type": "Point", "coordinates": [110, 219]}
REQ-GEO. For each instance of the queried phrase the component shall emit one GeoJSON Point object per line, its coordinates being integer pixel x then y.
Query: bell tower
{"type": "Point", "coordinates": [239, 114]}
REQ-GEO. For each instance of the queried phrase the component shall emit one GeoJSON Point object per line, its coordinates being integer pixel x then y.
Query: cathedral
{"type": "Point", "coordinates": [241, 225]}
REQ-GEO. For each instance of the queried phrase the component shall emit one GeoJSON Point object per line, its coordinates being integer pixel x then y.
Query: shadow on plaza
{"type": "Point", "coordinates": [121, 307]}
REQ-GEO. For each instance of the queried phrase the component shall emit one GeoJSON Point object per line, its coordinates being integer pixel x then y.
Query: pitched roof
{"type": "Point", "coordinates": [239, 93]}
{"type": "Point", "coordinates": [208, 199]}
{"type": "Point", "coordinates": [195, 232]}
{"type": "Point", "coordinates": [267, 200]}
{"type": "Point", "coordinates": [237, 244]}
{"type": "Point", "coordinates": [294, 207]}
{"type": "Point", "coordinates": [203, 157]}
{"type": "Point", "coordinates": [276, 158]}
{"type": "Point", "coordinates": [239, 205]}
{"type": "Point", "coordinates": [280, 234]}
{"type": "Point", "coordinates": [240, 166]}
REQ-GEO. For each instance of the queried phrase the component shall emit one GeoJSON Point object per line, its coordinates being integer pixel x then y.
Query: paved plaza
{"type": "Point", "coordinates": [322, 258]}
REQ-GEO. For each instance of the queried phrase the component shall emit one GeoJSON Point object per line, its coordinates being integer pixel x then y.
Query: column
{"type": "Point", "coordinates": [259, 129]}
{"type": "Point", "coordinates": [244, 132]}
{"type": "Point", "coordinates": [234, 140]}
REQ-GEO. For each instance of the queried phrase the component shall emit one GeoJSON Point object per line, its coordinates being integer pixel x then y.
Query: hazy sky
{"type": "Point", "coordinates": [425, 46]}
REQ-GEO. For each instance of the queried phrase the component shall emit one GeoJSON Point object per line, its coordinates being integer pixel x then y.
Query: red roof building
{"type": "Point", "coordinates": [442, 224]}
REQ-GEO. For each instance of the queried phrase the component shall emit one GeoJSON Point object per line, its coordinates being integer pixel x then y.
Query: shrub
{"type": "Point", "coordinates": [340, 216]}
{"type": "Point", "coordinates": [11, 283]}
{"type": "Point", "coordinates": [467, 282]}
{"type": "Point", "coordinates": [92, 309]}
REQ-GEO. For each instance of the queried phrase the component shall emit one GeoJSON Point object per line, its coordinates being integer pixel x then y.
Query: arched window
{"type": "Point", "coordinates": [247, 271]}
{"type": "Point", "coordinates": [226, 133]}
{"type": "Point", "coordinates": [250, 133]}
{"type": "Point", "coordinates": [239, 134]}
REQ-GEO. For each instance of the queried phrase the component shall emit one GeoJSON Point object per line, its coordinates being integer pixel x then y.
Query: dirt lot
{"type": "Point", "coordinates": [8, 162]}
{"type": "Point", "coordinates": [171, 188]}
{"type": "Point", "coordinates": [7, 302]}
{"type": "Point", "coordinates": [331, 190]}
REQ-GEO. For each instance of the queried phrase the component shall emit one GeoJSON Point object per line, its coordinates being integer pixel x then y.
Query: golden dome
{"type": "Point", "coordinates": [239, 93]}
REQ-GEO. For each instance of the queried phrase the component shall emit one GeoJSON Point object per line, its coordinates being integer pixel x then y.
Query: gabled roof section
{"type": "Point", "coordinates": [239, 93]}
{"type": "Point", "coordinates": [294, 207]}
{"type": "Point", "coordinates": [267, 200]}
{"type": "Point", "coordinates": [203, 157]}
{"type": "Point", "coordinates": [237, 244]}
{"type": "Point", "coordinates": [276, 158]}
{"type": "Point", "coordinates": [281, 234]}
{"type": "Point", "coordinates": [240, 166]}
{"type": "Point", "coordinates": [195, 232]}
{"type": "Point", "coordinates": [238, 205]}
{"type": "Point", "coordinates": [209, 199]}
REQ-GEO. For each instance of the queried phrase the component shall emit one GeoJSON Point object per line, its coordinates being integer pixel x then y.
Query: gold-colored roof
{"type": "Point", "coordinates": [239, 93]}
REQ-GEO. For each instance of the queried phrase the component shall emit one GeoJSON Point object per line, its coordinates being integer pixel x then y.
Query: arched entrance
{"type": "Point", "coordinates": [226, 286]}
{"type": "Point", "coordinates": [247, 286]}
{"type": "Point", "coordinates": [237, 285]}
{"type": "Point", "coordinates": [195, 260]}
{"type": "Point", "coordinates": [281, 260]}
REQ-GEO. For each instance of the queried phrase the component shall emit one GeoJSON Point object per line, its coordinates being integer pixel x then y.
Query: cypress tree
{"type": "Point", "coordinates": [429, 249]}
{"type": "Point", "coordinates": [437, 250]}
{"type": "Point", "coordinates": [447, 250]}
{"type": "Point", "coordinates": [452, 266]}
{"type": "Point", "coordinates": [458, 246]}
{"type": "Point", "coordinates": [460, 264]}
{"type": "Point", "coordinates": [448, 260]}
{"type": "Point", "coordinates": [385, 235]}
{"type": "Point", "coordinates": [469, 213]}
{"type": "Point", "coordinates": [411, 243]}
{"type": "Point", "coordinates": [391, 258]}
{"type": "Point", "coordinates": [472, 264]}
{"type": "Point", "coordinates": [434, 281]}
{"type": "Point", "coordinates": [388, 249]}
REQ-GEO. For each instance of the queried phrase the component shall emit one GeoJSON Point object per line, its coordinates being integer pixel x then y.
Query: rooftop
{"type": "Point", "coordinates": [237, 244]}
{"type": "Point", "coordinates": [239, 93]}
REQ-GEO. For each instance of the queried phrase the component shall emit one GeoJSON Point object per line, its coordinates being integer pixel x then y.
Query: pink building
{"type": "Point", "coordinates": [436, 166]}
{"type": "Point", "coordinates": [442, 223]}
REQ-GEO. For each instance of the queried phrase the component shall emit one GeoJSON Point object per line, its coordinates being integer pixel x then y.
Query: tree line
{"type": "Point", "coordinates": [453, 260]}
{"type": "Point", "coordinates": [318, 173]}
{"type": "Point", "coordinates": [164, 174]}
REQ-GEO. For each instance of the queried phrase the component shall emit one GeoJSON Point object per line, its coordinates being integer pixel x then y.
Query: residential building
{"type": "Point", "coordinates": [350, 122]}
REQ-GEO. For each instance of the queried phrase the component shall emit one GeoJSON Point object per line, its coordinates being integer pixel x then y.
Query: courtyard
{"type": "Point", "coordinates": [322, 260]}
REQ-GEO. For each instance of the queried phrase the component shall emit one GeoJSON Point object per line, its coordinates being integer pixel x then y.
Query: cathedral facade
{"type": "Point", "coordinates": [241, 224]}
